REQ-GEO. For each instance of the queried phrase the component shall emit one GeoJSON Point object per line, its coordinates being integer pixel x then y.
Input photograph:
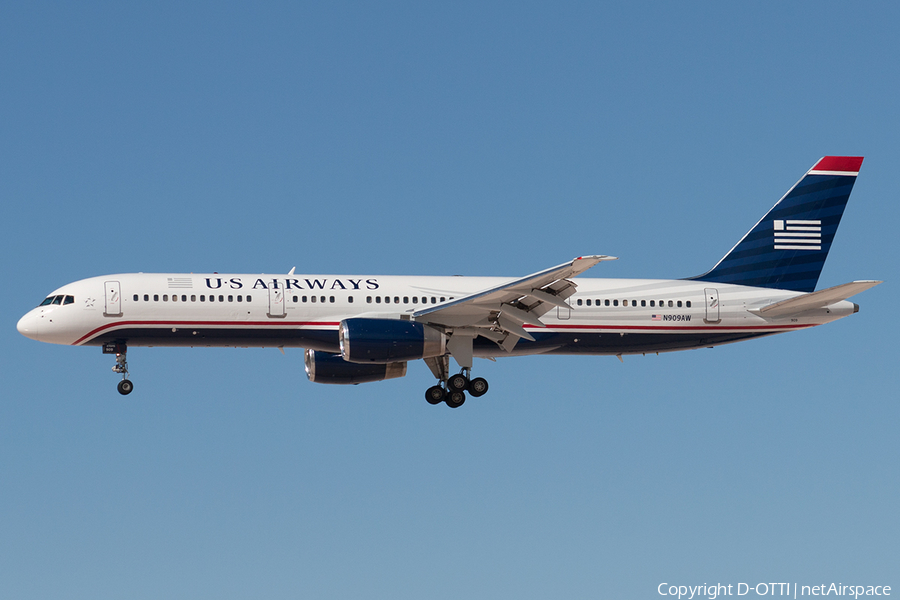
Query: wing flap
{"type": "Point", "coordinates": [504, 309]}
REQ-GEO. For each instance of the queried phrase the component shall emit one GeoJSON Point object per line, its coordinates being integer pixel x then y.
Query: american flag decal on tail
{"type": "Point", "coordinates": [796, 234]}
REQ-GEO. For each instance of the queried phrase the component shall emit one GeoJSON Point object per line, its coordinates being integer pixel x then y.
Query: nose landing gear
{"type": "Point", "coordinates": [125, 386]}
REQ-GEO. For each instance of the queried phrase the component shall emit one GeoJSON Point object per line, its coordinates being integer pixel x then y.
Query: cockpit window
{"type": "Point", "coordinates": [57, 300]}
{"type": "Point", "coordinates": [69, 300]}
{"type": "Point", "coordinates": [46, 301]}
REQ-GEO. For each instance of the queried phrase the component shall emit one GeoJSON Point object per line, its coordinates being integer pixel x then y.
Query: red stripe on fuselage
{"type": "Point", "coordinates": [330, 324]}
{"type": "Point", "coordinates": [298, 324]}
{"type": "Point", "coordinates": [722, 328]}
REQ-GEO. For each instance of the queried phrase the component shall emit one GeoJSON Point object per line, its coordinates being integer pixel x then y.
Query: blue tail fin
{"type": "Point", "coordinates": [787, 248]}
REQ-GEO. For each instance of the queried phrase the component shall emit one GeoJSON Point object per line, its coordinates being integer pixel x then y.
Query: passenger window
{"type": "Point", "coordinates": [135, 297]}
{"type": "Point", "coordinates": [193, 298]}
{"type": "Point", "coordinates": [443, 299]}
{"type": "Point", "coordinates": [231, 298]}
{"type": "Point", "coordinates": [634, 302]}
{"type": "Point", "coordinates": [313, 298]}
{"type": "Point", "coordinates": [588, 301]}
{"type": "Point", "coordinates": [433, 300]}
{"type": "Point", "coordinates": [296, 299]}
{"type": "Point", "coordinates": [241, 298]}
{"type": "Point", "coordinates": [331, 299]}
{"type": "Point", "coordinates": [156, 297]}
{"type": "Point", "coordinates": [652, 303]}
{"type": "Point", "coordinates": [221, 298]}
{"type": "Point", "coordinates": [146, 297]}
{"type": "Point", "coordinates": [202, 298]}
{"type": "Point", "coordinates": [165, 297]}
{"type": "Point", "coordinates": [606, 302]}
{"type": "Point", "coordinates": [670, 304]}
{"type": "Point", "coordinates": [322, 298]}
{"type": "Point", "coordinates": [184, 297]}
{"type": "Point", "coordinates": [368, 299]}
{"type": "Point", "coordinates": [302, 299]}
{"type": "Point", "coordinates": [350, 299]}
{"type": "Point", "coordinates": [249, 298]}
{"type": "Point", "coordinates": [679, 304]}
{"type": "Point", "coordinates": [415, 299]}
{"type": "Point", "coordinates": [405, 299]}
{"type": "Point", "coordinates": [578, 302]}
{"type": "Point", "coordinates": [643, 303]}
{"type": "Point", "coordinates": [688, 303]}
{"type": "Point", "coordinates": [377, 299]}
{"type": "Point", "coordinates": [174, 297]}
{"type": "Point", "coordinates": [615, 302]}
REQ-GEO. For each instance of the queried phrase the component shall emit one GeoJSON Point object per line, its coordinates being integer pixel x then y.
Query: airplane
{"type": "Point", "coordinates": [358, 329]}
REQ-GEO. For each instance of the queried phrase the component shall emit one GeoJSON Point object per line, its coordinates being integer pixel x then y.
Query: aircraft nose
{"type": "Point", "coordinates": [28, 325]}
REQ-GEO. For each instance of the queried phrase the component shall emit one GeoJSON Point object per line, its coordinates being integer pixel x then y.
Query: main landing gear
{"type": "Point", "coordinates": [453, 390]}
{"type": "Point", "coordinates": [120, 350]}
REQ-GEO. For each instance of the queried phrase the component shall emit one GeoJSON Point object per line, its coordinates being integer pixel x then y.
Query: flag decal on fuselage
{"type": "Point", "coordinates": [798, 234]}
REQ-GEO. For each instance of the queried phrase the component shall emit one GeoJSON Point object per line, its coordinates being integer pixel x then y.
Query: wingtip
{"type": "Point", "coordinates": [597, 257]}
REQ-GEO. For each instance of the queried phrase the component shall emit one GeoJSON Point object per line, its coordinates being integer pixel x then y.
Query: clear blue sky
{"type": "Point", "coordinates": [473, 138]}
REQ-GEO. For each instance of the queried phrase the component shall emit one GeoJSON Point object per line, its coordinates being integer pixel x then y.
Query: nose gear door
{"type": "Point", "coordinates": [113, 295]}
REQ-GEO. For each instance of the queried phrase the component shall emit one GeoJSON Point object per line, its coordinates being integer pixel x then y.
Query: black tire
{"type": "Point", "coordinates": [478, 387]}
{"type": "Point", "coordinates": [457, 383]}
{"type": "Point", "coordinates": [455, 399]}
{"type": "Point", "coordinates": [125, 387]}
{"type": "Point", "coordinates": [435, 394]}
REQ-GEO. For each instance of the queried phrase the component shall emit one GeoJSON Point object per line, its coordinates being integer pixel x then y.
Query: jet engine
{"type": "Point", "coordinates": [323, 367]}
{"type": "Point", "coordinates": [389, 340]}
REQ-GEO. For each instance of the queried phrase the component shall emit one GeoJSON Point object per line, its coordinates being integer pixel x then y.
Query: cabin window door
{"type": "Point", "coordinates": [276, 302]}
{"type": "Point", "coordinates": [113, 305]}
{"type": "Point", "coordinates": [712, 305]}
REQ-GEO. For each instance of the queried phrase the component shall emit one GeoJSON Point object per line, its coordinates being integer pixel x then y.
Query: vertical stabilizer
{"type": "Point", "coordinates": [787, 248]}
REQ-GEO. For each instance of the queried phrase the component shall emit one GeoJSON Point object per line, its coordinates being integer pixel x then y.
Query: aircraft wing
{"type": "Point", "coordinates": [815, 300]}
{"type": "Point", "coordinates": [501, 311]}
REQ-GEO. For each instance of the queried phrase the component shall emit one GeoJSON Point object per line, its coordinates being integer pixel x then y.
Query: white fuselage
{"type": "Point", "coordinates": [607, 316]}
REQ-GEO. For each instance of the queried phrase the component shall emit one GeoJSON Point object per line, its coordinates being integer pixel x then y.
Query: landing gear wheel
{"type": "Point", "coordinates": [455, 399]}
{"type": "Point", "coordinates": [478, 387]}
{"type": "Point", "coordinates": [435, 394]}
{"type": "Point", "coordinates": [457, 383]}
{"type": "Point", "coordinates": [125, 386]}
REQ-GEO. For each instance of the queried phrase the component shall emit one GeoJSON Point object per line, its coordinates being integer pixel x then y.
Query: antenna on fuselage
{"type": "Point", "coordinates": [291, 272]}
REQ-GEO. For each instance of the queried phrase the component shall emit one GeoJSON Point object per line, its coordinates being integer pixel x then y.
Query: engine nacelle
{"type": "Point", "coordinates": [322, 367]}
{"type": "Point", "coordinates": [389, 340]}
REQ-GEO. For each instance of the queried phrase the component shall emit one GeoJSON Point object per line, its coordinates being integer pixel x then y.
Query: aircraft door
{"type": "Point", "coordinates": [276, 303]}
{"type": "Point", "coordinates": [712, 305]}
{"type": "Point", "coordinates": [113, 295]}
{"type": "Point", "coordinates": [563, 313]}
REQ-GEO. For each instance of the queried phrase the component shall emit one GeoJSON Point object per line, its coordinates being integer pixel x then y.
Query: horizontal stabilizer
{"type": "Point", "coordinates": [815, 300]}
